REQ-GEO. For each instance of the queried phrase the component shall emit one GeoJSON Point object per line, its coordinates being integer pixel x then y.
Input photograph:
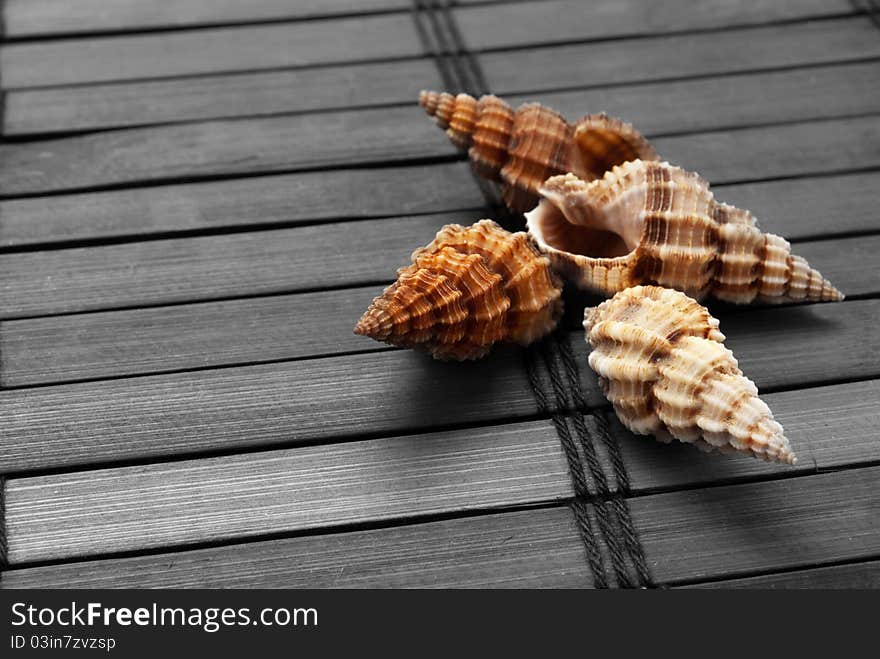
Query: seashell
{"type": "Point", "coordinates": [662, 364]}
{"type": "Point", "coordinates": [466, 290]}
{"type": "Point", "coordinates": [521, 149]}
{"type": "Point", "coordinates": [652, 223]}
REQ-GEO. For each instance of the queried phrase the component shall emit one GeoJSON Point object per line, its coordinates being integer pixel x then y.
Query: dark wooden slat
{"type": "Point", "coordinates": [138, 341]}
{"type": "Point", "coordinates": [829, 427]}
{"type": "Point", "coordinates": [531, 549]}
{"type": "Point", "coordinates": [114, 105]}
{"type": "Point", "coordinates": [276, 261]}
{"type": "Point", "coordinates": [376, 393]}
{"type": "Point", "coordinates": [802, 345]}
{"type": "Point", "coordinates": [531, 23]}
{"type": "Point", "coordinates": [268, 144]}
{"type": "Point", "coordinates": [751, 154]}
{"type": "Point", "coordinates": [217, 50]}
{"type": "Point", "coordinates": [95, 345]}
{"type": "Point", "coordinates": [707, 533]}
{"type": "Point", "coordinates": [26, 18]}
{"type": "Point", "coordinates": [259, 561]}
{"type": "Point", "coordinates": [686, 535]}
{"type": "Point", "coordinates": [730, 101]}
{"type": "Point", "coordinates": [222, 266]}
{"type": "Point", "coordinates": [180, 269]}
{"type": "Point", "coordinates": [793, 208]}
{"type": "Point", "coordinates": [204, 500]}
{"type": "Point", "coordinates": [799, 208]}
{"type": "Point", "coordinates": [646, 59]}
{"type": "Point", "coordinates": [854, 575]}
{"type": "Point", "coordinates": [381, 135]}
{"type": "Point", "coordinates": [340, 138]}
{"type": "Point", "coordinates": [160, 101]}
{"type": "Point", "coordinates": [134, 508]}
{"type": "Point", "coordinates": [556, 21]}
{"type": "Point", "coordinates": [307, 197]}
{"type": "Point", "coordinates": [849, 262]}
{"type": "Point", "coordinates": [289, 402]}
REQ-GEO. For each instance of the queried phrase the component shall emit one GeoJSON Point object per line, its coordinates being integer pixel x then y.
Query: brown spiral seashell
{"type": "Point", "coordinates": [468, 289]}
{"type": "Point", "coordinates": [662, 364]}
{"type": "Point", "coordinates": [521, 149]}
{"type": "Point", "coordinates": [652, 223]}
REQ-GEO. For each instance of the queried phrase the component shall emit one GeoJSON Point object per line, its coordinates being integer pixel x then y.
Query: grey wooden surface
{"type": "Point", "coordinates": [531, 23]}
{"type": "Point", "coordinates": [134, 508]}
{"type": "Point", "coordinates": [531, 549]}
{"type": "Point", "coordinates": [795, 208]}
{"type": "Point", "coordinates": [691, 535]}
{"type": "Point", "coordinates": [337, 139]}
{"type": "Point", "coordinates": [247, 330]}
{"type": "Point", "coordinates": [668, 57]}
{"type": "Point", "coordinates": [280, 261]}
{"type": "Point", "coordinates": [142, 102]}
{"type": "Point", "coordinates": [229, 497]}
{"type": "Point", "coordinates": [382, 392]}
{"type": "Point", "coordinates": [852, 575]}
{"type": "Point", "coordinates": [196, 203]}
{"type": "Point", "coordinates": [84, 106]}
{"type": "Point", "coordinates": [48, 17]}
{"type": "Point", "coordinates": [220, 148]}
{"type": "Point", "coordinates": [212, 50]}
{"type": "Point", "coordinates": [262, 201]}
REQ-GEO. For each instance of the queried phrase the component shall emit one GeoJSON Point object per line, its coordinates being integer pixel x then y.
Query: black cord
{"type": "Point", "coordinates": [575, 467]}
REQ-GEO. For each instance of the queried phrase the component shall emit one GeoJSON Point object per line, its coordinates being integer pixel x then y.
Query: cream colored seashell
{"type": "Point", "coordinates": [652, 223]}
{"type": "Point", "coordinates": [468, 289]}
{"type": "Point", "coordinates": [520, 149]}
{"type": "Point", "coordinates": [662, 364]}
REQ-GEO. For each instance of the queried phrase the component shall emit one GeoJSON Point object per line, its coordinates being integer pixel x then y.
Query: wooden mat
{"type": "Point", "coordinates": [198, 199]}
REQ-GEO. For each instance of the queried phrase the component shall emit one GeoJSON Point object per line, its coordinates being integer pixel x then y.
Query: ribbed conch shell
{"type": "Point", "coordinates": [468, 289]}
{"type": "Point", "coordinates": [521, 149]}
{"type": "Point", "coordinates": [652, 223]}
{"type": "Point", "coordinates": [663, 366]}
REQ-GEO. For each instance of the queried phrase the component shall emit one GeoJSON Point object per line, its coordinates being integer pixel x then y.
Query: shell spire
{"type": "Point", "coordinates": [662, 364]}
{"type": "Point", "coordinates": [652, 223]}
{"type": "Point", "coordinates": [468, 289]}
{"type": "Point", "coordinates": [522, 148]}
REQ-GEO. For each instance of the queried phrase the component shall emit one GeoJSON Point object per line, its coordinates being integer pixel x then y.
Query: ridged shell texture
{"type": "Point", "coordinates": [663, 366]}
{"type": "Point", "coordinates": [652, 223]}
{"type": "Point", "coordinates": [468, 289]}
{"type": "Point", "coordinates": [522, 148]}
